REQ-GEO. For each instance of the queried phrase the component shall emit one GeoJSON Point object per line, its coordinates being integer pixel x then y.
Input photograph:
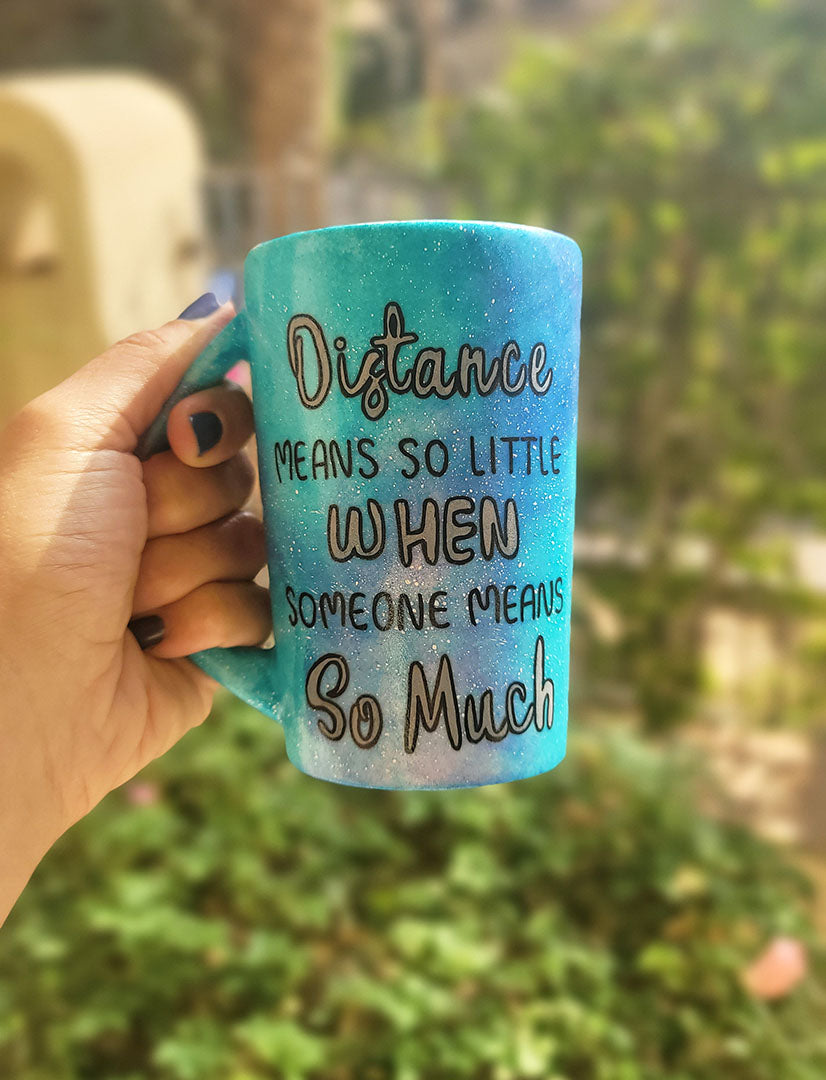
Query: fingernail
{"type": "Point", "coordinates": [208, 430]}
{"type": "Point", "coordinates": [148, 630]}
{"type": "Point", "coordinates": [204, 305]}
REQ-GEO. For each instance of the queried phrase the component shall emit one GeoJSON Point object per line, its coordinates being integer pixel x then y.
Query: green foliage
{"type": "Point", "coordinates": [684, 147]}
{"type": "Point", "coordinates": [252, 923]}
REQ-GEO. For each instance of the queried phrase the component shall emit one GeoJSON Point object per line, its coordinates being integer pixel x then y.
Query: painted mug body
{"type": "Point", "coordinates": [415, 397]}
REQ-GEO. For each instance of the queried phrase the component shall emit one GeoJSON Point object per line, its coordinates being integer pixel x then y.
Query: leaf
{"type": "Point", "coordinates": [281, 1043]}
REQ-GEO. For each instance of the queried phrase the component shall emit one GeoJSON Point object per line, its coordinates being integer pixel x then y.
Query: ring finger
{"type": "Point", "coordinates": [232, 549]}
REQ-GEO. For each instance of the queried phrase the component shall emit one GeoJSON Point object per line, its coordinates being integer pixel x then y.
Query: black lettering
{"type": "Point", "coordinates": [426, 535]}
{"type": "Point", "coordinates": [546, 600]}
{"type": "Point", "coordinates": [326, 702]}
{"type": "Point", "coordinates": [307, 620]}
{"type": "Point", "coordinates": [437, 607]}
{"type": "Point", "coordinates": [297, 325]}
{"type": "Point", "coordinates": [372, 463]}
{"type": "Point", "coordinates": [555, 455]}
{"type": "Point", "coordinates": [354, 543]}
{"type": "Point", "coordinates": [509, 440]}
{"type": "Point", "coordinates": [416, 616]}
{"type": "Point", "coordinates": [386, 599]}
{"type": "Point", "coordinates": [357, 610]}
{"type": "Point", "coordinates": [527, 600]}
{"type": "Point", "coordinates": [289, 594]}
{"type": "Point", "coordinates": [403, 445]}
{"type": "Point", "coordinates": [337, 463]}
{"type": "Point", "coordinates": [529, 441]}
{"type": "Point", "coordinates": [537, 363]}
{"type": "Point", "coordinates": [365, 722]}
{"type": "Point", "coordinates": [509, 353]}
{"type": "Point", "coordinates": [456, 530]}
{"type": "Point", "coordinates": [331, 606]}
{"type": "Point", "coordinates": [299, 459]}
{"type": "Point", "coordinates": [509, 604]}
{"type": "Point", "coordinates": [475, 600]}
{"type": "Point", "coordinates": [318, 459]}
{"type": "Point", "coordinates": [426, 710]}
{"type": "Point", "coordinates": [428, 457]}
{"type": "Point", "coordinates": [283, 455]}
{"type": "Point", "coordinates": [492, 533]}
{"type": "Point", "coordinates": [516, 689]}
{"type": "Point", "coordinates": [391, 341]}
{"type": "Point", "coordinates": [473, 468]}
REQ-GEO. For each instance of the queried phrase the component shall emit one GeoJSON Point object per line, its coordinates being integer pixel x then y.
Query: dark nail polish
{"type": "Point", "coordinates": [148, 630]}
{"type": "Point", "coordinates": [204, 305]}
{"type": "Point", "coordinates": [208, 430]}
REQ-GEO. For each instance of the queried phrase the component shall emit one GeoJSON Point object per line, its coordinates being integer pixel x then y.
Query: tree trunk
{"type": "Point", "coordinates": [287, 81]}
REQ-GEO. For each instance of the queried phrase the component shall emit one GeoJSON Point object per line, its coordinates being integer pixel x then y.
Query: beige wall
{"type": "Point", "coordinates": [100, 220]}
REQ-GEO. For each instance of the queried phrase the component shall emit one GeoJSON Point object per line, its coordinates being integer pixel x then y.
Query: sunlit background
{"type": "Point", "coordinates": [654, 909]}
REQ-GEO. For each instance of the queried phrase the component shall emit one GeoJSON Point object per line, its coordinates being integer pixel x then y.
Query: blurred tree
{"type": "Point", "coordinates": [287, 80]}
{"type": "Point", "coordinates": [382, 57]}
{"type": "Point", "coordinates": [684, 146]}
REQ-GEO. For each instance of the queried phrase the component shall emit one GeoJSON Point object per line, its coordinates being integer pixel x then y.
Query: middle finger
{"type": "Point", "coordinates": [180, 498]}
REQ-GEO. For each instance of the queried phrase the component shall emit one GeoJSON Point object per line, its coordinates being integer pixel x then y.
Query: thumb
{"type": "Point", "coordinates": [111, 400]}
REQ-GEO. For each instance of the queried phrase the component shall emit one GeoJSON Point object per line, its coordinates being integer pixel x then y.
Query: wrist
{"type": "Point", "coordinates": [24, 840]}
{"type": "Point", "coordinates": [30, 819]}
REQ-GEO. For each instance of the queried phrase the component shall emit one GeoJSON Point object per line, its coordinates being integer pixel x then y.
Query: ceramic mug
{"type": "Point", "coordinates": [415, 396]}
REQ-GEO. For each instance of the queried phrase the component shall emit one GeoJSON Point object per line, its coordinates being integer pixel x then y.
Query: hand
{"type": "Point", "coordinates": [92, 542]}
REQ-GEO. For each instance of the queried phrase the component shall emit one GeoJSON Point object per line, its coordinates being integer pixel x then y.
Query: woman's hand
{"type": "Point", "coordinates": [112, 571]}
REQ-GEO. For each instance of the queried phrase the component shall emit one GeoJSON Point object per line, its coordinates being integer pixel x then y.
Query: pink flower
{"type": "Point", "coordinates": [777, 970]}
{"type": "Point", "coordinates": [142, 793]}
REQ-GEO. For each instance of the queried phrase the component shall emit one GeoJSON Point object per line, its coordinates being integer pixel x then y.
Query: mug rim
{"type": "Point", "coordinates": [449, 224]}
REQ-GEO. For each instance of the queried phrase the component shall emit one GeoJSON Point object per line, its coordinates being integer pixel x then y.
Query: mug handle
{"type": "Point", "coordinates": [246, 671]}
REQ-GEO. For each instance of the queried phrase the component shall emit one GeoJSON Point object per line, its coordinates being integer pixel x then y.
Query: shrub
{"type": "Point", "coordinates": [226, 917]}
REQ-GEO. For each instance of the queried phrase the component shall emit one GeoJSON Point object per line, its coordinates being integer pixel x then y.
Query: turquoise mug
{"type": "Point", "coordinates": [415, 394]}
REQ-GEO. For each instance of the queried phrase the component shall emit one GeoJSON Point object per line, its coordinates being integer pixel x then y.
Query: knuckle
{"type": "Point", "coordinates": [262, 604]}
{"type": "Point", "coordinates": [169, 509]}
{"type": "Point", "coordinates": [231, 614]}
{"type": "Point", "coordinates": [167, 517]}
{"type": "Point", "coordinates": [260, 618]}
{"type": "Point", "coordinates": [247, 522]}
{"type": "Point", "coordinates": [156, 476]}
{"type": "Point", "coordinates": [211, 613]}
{"type": "Point", "coordinates": [250, 536]}
{"type": "Point", "coordinates": [152, 342]}
{"type": "Point", "coordinates": [41, 423]}
{"type": "Point", "coordinates": [27, 425]}
{"type": "Point", "coordinates": [159, 574]}
{"type": "Point", "coordinates": [240, 477]}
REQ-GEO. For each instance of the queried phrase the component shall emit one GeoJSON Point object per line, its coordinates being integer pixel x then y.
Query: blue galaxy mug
{"type": "Point", "coordinates": [415, 398]}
